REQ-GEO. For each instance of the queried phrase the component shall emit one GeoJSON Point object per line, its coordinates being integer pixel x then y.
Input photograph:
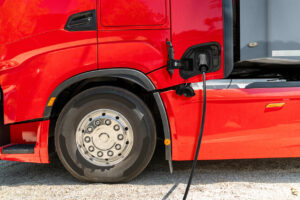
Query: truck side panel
{"type": "Point", "coordinates": [239, 123]}
{"type": "Point", "coordinates": [37, 54]}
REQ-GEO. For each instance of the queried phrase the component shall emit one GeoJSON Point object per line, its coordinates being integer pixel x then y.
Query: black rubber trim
{"type": "Point", "coordinates": [19, 149]}
{"type": "Point", "coordinates": [30, 121]}
{"type": "Point", "coordinates": [4, 129]}
{"type": "Point", "coordinates": [273, 85]}
{"type": "Point", "coordinates": [228, 37]}
{"type": "Point", "coordinates": [166, 126]}
{"type": "Point", "coordinates": [128, 74]}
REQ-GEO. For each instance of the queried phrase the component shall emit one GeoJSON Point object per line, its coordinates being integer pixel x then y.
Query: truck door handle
{"type": "Point", "coordinates": [82, 21]}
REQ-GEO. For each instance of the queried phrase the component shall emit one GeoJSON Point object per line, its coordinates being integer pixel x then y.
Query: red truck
{"type": "Point", "coordinates": [102, 81]}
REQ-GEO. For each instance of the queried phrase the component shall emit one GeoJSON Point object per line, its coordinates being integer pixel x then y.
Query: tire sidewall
{"type": "Point", "coordinates": [122, 101]}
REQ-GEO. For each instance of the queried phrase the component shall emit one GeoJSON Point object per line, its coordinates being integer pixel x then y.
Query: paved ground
{"type": "Point", "coordinates": [243, 179]}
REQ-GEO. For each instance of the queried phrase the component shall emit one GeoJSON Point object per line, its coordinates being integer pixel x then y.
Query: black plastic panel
{"type": "Point", "coordinates": [84, 21]}
{"type": "Point", "coordinates": [228, 37]}
{"type": "Point", "coordinates": [213, 52]}
{"type": "Point", "coordinates": [4, 129]}
{"type": "Point", "coordinates": [273, 84]}
{"type": "Point", "coordinates": [19, 149]}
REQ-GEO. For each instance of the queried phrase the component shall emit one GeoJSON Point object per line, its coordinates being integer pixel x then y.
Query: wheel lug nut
{"type": "Point", "coordinates": [100, 154]}
{"type": "Point", "coordinates": [107, 122]}
{"type": "Point", "coordinates": [87, 139]}
{"type": "Point", "coordinates": [97, 122]}
{"type": "Point", "coordinates": [90, 129]}
{"type": "Point", "coordinates": [110, 153]}
{"type": "Point", "coordinates": [118, 146]}
{"type": "Point", "coordinates": [120, 137]}
{"type": "Point", "coordinates": [91, 148]}
{"type": "Point", "coordinates": [116, 127]}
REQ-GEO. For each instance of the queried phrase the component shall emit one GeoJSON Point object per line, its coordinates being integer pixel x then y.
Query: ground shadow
{"type": "Point", "coordinates": [157, 173]}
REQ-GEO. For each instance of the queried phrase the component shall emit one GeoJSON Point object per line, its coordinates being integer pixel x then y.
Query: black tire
{"type": "Point", "coordinates": [122, 101]}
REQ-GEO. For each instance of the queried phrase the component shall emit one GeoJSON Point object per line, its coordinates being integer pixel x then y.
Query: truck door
{"type": "Point", "coordinates": [133, 33]}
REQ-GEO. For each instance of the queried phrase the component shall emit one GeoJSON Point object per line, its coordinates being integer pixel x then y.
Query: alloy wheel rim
{"type": "Point", "coordinates": [104, 137]}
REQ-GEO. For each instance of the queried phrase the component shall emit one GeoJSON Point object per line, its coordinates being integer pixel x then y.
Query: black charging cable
{"type": "Point", "coordinates": [199, 138]}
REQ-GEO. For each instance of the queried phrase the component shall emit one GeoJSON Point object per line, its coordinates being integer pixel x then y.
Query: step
{"type": "Point", "coordinates": [19, 149]}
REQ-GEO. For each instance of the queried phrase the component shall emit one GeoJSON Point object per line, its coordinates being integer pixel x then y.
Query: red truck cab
{"type": "Point", "coordinates": [102, 80]}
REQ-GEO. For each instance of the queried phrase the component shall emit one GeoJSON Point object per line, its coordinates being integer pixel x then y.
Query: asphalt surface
{"type": "Point", "coordinates": [232, 179]}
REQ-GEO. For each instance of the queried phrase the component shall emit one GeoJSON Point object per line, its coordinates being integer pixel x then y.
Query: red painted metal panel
{"type": "Point", "coordinates": [192, 22]}
{"type": "Point", "coordinates": [133, 12]}
{"type": "Point", "coordinates": [36, 54]}
{"type": "Point", "coordinates": [39, 132]}
{"type": "Point", "coordinates": [21, 19]}
{"type": "Point", "coordinates": [196, 22]}
{"type": "Point", "coordinates": [141, 50]}
{"type": "Point", "coordinates": [136, 40]}
{"type": "Point", "coordinates": [238, 124]}
{"type": "Point", "coordinates": [24, 133]}
{"type": "Point", "coordinates": [28, 84]}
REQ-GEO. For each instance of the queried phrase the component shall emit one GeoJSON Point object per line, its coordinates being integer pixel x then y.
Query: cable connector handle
{"type": "Point", "coordinates": [170, 57]}
{"type": "Point", "coordinates": [170, 50]}
{"type": "Point", "coordinates": [172, 63]}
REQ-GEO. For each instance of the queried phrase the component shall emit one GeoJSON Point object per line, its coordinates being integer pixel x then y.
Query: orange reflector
{"type": "Point", "coordinates": [167, 142]}
{"type": "Point", "coordinates": [275, 105]}
{"type": "Point", "coordinates": [51, 101]}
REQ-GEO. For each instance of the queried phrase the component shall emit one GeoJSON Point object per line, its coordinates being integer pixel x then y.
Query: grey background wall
{"type": "Point", "coordinates": [274, 25]}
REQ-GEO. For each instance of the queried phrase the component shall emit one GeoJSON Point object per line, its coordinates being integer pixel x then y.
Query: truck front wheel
{"type": "Point", "coordinates": [105, 134]}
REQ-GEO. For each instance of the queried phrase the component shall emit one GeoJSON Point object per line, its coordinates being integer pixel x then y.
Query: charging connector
{"type": "Point", "coordinates": [203, 68]}
{"type": "Point", "coordinates": [199, 59]}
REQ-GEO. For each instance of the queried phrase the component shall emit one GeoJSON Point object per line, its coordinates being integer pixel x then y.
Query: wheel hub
{"type": "Point", "coordinates": [104, 137]}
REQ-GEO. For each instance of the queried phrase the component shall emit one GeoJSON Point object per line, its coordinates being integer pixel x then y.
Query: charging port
{"type": "Point", "coordinates": [194, 59]}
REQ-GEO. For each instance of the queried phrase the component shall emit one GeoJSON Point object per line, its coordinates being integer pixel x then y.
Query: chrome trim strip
{"type": "Point", "coordinates": [212, 84]}
{"type": "Point", "coordinates": [231, 83]}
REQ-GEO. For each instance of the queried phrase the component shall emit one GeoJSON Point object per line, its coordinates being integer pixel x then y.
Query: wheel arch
{"type": "Point", "coordinates": [119, 76]}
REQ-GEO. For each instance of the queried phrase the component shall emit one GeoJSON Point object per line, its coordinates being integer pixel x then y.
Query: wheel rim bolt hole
{"type": "Point", "coordinates": [118, 146]}
{"type": "Point", "coordinates": [110, 153]}
{"type": "Point", "coordinates": [116, 127]}
{"type": "Point", "coordinates": [90, 129]}
{"type": "Point", "coordinates": [100, 154]}
{"type": "Point", "coordinates": [107, 122]}
{"type": "Point", "coordinates": [120, 137]}
{"type": "Point", "coordinates": [97, 122]}
{"type": "Point", "coordinates": [87, 139]}
{"type": "Point", "coordinates": [91, 148]}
